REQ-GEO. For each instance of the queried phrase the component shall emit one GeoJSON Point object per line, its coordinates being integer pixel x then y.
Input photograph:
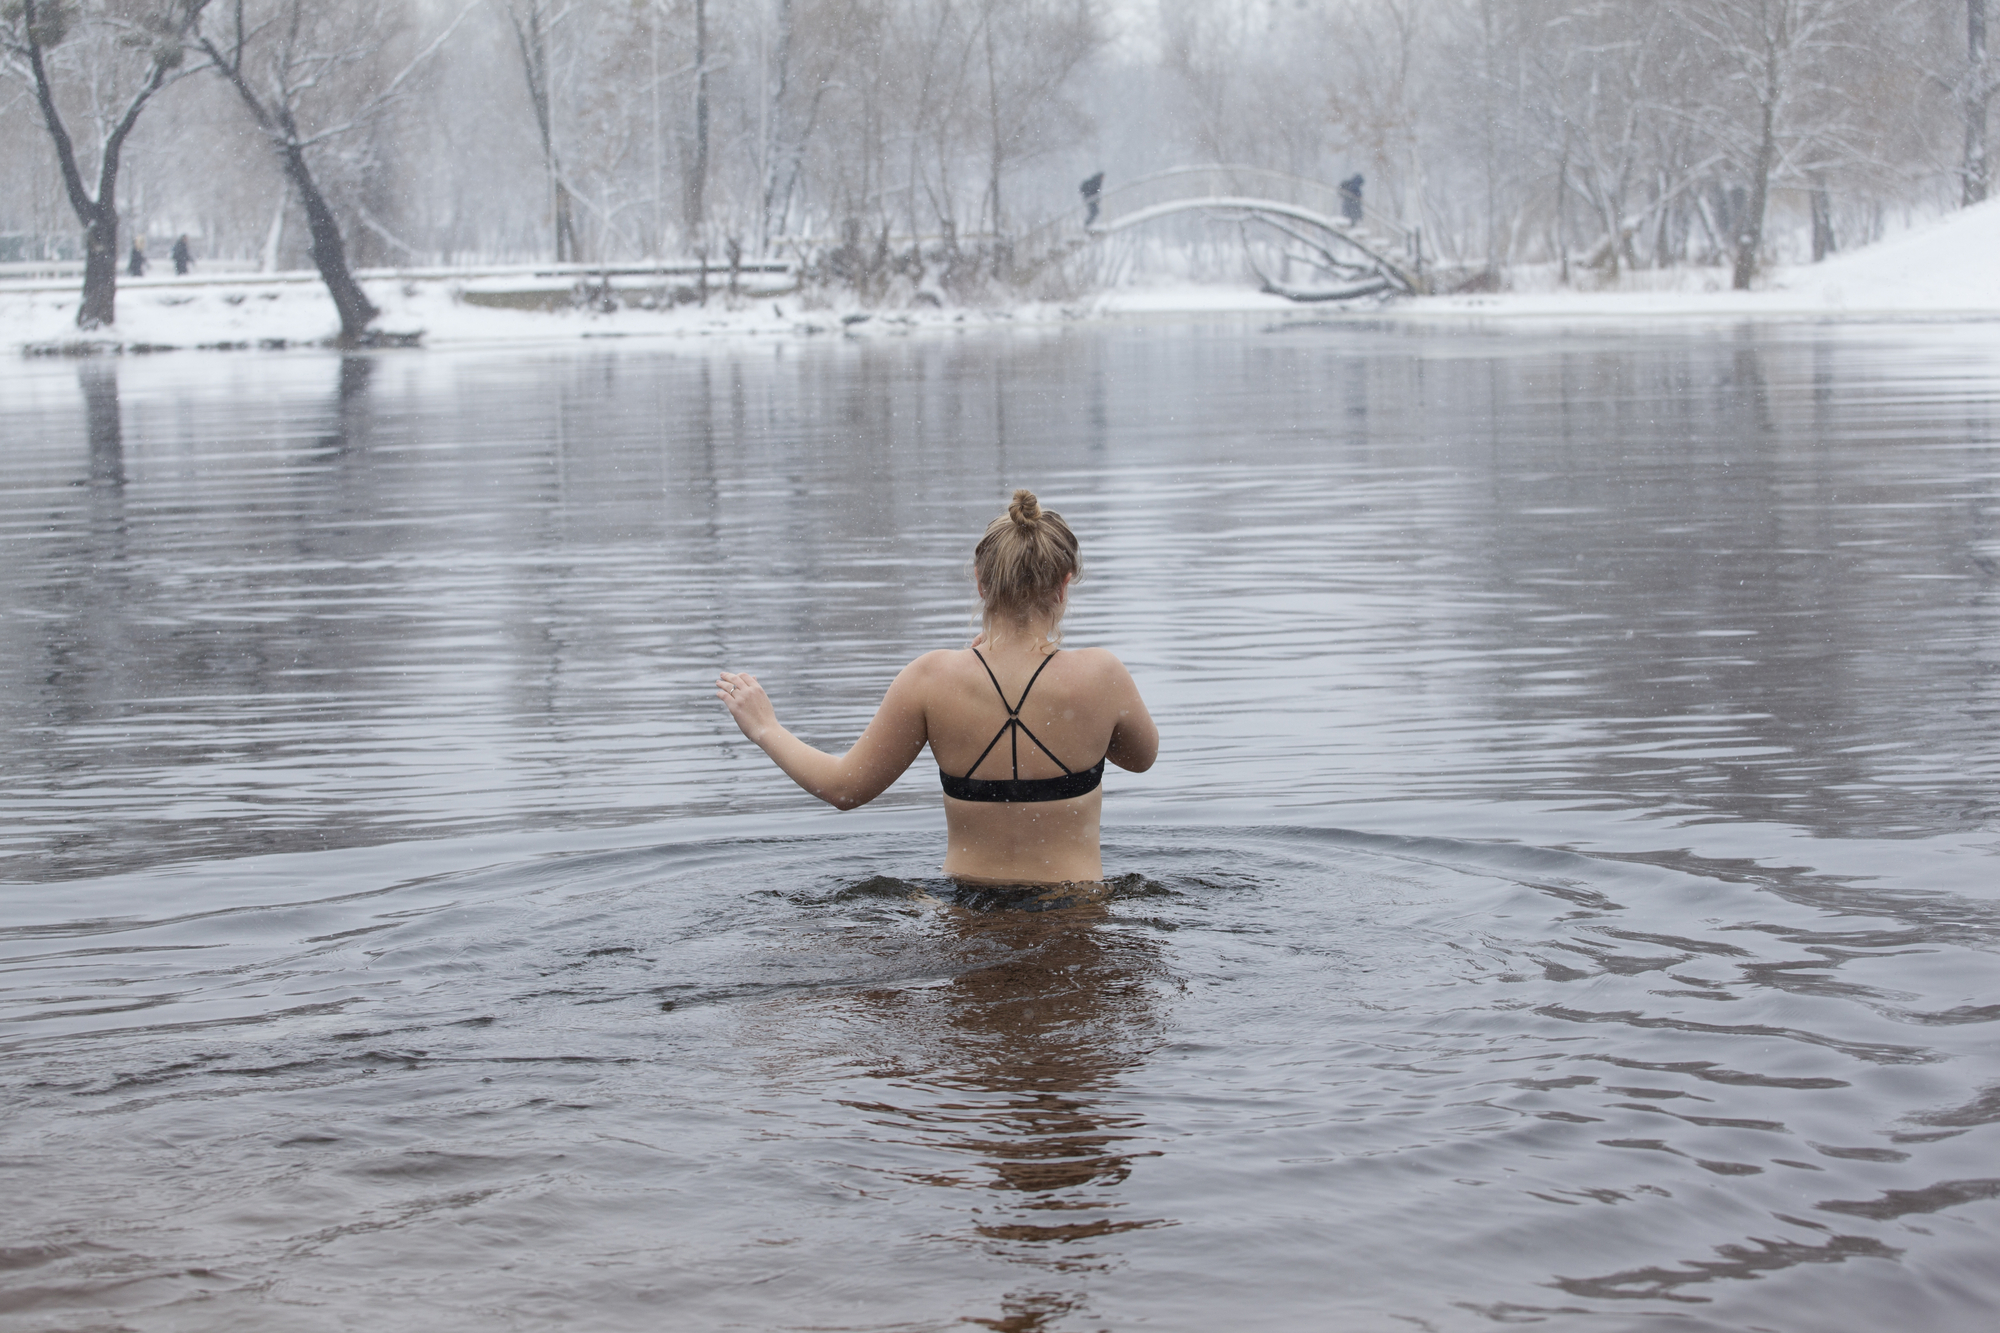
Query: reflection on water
{"type": "Point", "coordinates": [1693, 578]}
{"type": "Point", "coordinates": [1718, 607]}
{"type": "Point", "coordinates": [103, 424]}
{"type": "Point", "coordinates": [1036, 1040]}
{"type": "Point", "coordinates": [351, 416]}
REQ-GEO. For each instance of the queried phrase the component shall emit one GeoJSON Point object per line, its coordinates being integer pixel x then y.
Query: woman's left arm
{"type": "Point", "coordinates": [892, 742]}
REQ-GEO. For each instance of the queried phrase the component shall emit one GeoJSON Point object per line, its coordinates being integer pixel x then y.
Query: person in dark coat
{"type": "Point", "coordinates": [1092, 188]}
{"type": "Point", "coordinates": [1350, 198]}
{"type": "Point", "coordinates": [135, 263]}
{"type": "Point", "coordinates": [183, 257]}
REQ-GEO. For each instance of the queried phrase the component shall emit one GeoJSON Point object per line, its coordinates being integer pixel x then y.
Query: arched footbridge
{"type": "Point", "coordinates": [1366, 255]}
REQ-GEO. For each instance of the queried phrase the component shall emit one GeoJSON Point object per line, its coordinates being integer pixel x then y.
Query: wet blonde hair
{"type": "Point", "coordinates": [1022, 560]}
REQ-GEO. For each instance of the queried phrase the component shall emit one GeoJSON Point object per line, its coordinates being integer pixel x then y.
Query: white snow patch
{"type": "Point", "coordinates": [1950, 268]}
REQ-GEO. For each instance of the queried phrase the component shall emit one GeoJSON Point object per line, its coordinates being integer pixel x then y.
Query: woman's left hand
{"type": "Point", "coordinates": [747, 703]}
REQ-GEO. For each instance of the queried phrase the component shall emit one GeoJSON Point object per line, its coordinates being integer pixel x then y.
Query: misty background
{"type": "Point", "coordinates": [1595, 136]}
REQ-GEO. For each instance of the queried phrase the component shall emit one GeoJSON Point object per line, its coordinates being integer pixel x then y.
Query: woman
{"type": "Point", "coordinates": [1020, 729]}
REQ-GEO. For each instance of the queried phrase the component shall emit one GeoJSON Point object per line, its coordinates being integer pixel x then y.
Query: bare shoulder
{"type": "Point", "coordinates": [930, 665]}
{"type": "Point", "coordinates": [1100, 660]}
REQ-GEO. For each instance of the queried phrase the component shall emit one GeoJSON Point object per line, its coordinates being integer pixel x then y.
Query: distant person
{"type": "Point", "coordinates": [135, 263]}
{"type": "Point", "coordinates": [1011, 720]}
{"type": "Point", "coordinates": [183, 257]}
{"type": "Point", "coordinates": [1350, 198]}
{"type": "Point", "coordinates": [1092, 188]}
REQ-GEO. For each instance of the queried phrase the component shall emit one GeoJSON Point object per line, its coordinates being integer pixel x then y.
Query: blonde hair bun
{"type": "Point", "coordinates": [1024, 560]}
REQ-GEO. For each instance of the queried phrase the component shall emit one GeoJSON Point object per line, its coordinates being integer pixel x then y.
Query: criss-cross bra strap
{"type": "Point", "coordinates": [1013, 724]}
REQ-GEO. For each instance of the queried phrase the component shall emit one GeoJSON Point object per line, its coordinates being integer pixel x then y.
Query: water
{"type": "Point", "coordinates": [1566, 895]}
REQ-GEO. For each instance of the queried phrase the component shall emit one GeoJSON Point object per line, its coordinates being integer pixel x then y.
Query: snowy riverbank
{"type": "Point", "coordinates": [228, 313]}
{"type": "Point", "coordinates": [1950, 269]}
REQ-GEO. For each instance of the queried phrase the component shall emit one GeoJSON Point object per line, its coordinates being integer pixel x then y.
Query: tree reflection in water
{"type": "Point", "coordinates": [103, 421]}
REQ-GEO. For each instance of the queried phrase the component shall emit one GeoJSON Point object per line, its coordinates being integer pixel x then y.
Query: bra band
{"type": "Point", "coordinates": [1024, 789]}
{"type": "Point", "coordinates": [1018, 788]}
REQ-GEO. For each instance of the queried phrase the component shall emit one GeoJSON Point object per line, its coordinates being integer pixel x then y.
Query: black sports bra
{"type": "Point", "coordinates": [1018, 788]}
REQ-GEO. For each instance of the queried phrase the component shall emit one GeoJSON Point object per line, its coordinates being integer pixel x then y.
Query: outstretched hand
{"type": "Point", "coordinates": [747, 703]}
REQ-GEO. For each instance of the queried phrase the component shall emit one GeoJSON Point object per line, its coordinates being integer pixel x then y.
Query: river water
{"type": "Point", "coordinates": [1567, 894]}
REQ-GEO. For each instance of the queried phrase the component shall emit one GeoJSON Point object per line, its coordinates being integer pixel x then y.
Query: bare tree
{"type": "Point", "coordinates": [694, 202]}
{"type": "Point", "coordinates": [277, 61]}
{"type": "Point", "coordinates": [920, 134]}
{"type": "Point", "coordinates": [1376, 97]}
{"type": "Point", "coordinates": [808, 48]}
{"type": "Point", "coordinates": [534, 22]}
{"type": "Point", "coordinates": [1032, 50]}
{"type": "Point", "coordinates": [157, 34]}
{"type": "Point", "coordinates": [1778, 58]}
{"type": "Point", "coordinates": [774, 148]}
{"type": "Point", "coordinates": [1975, 95]}
{"type": "Point", "coordinates": [937, 60]}
{"type": "Point", "coordinates": [1617, 88]}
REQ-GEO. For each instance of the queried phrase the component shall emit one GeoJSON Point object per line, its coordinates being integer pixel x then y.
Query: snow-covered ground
{"type": "Point", "coordinates": [1950, 269]}
{"type": "Point", "coordinates": [173, 313]}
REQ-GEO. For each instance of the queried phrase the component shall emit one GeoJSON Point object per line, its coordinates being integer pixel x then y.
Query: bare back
{"type": "Point", "coordinates": [1083, 707]}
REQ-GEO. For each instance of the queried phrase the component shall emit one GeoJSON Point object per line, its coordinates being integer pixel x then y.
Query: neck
{"type": "Point", "coordinates": [1020, 635]}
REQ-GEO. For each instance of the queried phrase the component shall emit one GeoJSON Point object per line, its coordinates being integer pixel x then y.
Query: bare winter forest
{"type": "Point", "coordinates": [1589, 135]}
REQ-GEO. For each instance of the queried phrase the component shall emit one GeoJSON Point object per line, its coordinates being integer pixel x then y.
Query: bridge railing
{"type": "Point", "coordinates": [1213, 181]}
{"type": "Point", "coordinates": [1241, 182]}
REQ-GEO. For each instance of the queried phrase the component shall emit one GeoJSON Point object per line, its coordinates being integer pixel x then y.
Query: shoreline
{"type": "Point", "coordinates": [291, 328]}
{"type": "Point", "coordinates": [1946, 272]}
{"type": "Point", "coordinates": [404, 325]}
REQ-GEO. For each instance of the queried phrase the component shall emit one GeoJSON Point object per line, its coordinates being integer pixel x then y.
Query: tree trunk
{"type": "Point", "coordinates": [1562, 209]}
{"type": "Point", "coordinates": [996, 147]}
{"type": "Point", "coordinates": [567, 249]}
{"type": "Point", "coordinates": [1488, 124]}
{"type": "Point", "coordinates": [531, 34]}
{"type": "Point", "coordinates": [328, 252]}
{"type": "Point", "coordinates": [695, 194]}
{"type": "Point", "coordinates": [1975, 169]}
{"type": "Point", "coordinates": [1749, 228]}
{"type": "Point", "coordinates": [99, 307]}
{"type": "Point", "coordinates": [774, 111]}
{"type": "Point", "coordinates": [1822, 222]}
{"type": "Point", "coordinates": [276, 235]}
